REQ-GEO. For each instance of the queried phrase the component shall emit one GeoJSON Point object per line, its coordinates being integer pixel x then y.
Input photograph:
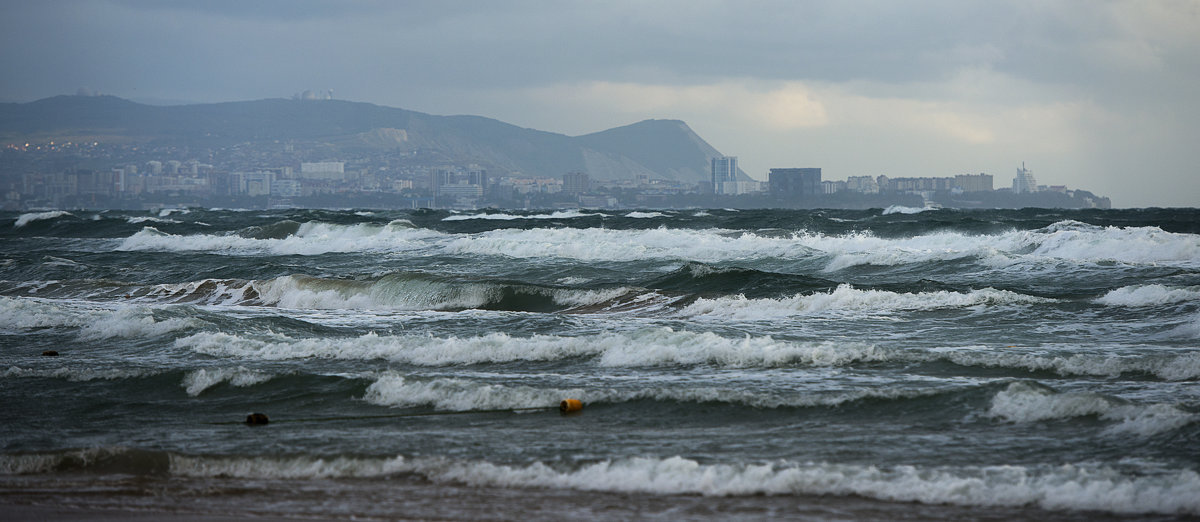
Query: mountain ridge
{"type": "Point", "coordinates": [658, 149]}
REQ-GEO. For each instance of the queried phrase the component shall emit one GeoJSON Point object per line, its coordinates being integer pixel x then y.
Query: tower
{"type": "Point", "coordinates": [724, 169]}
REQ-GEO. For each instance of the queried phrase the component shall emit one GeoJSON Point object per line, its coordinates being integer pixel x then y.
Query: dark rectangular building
{"type": "Point", "coordinates": [795, 182]}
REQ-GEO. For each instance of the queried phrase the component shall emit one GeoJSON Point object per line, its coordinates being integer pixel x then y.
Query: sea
{"type": "Point", "coordinates": [883, 364]}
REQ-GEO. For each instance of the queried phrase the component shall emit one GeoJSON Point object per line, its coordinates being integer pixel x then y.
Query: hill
{"type": "Point", "coordinates": [660, 149]}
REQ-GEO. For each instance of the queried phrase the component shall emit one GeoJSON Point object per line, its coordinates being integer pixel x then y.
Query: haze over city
{"type": "Point", "coordinates": [1095, 95]}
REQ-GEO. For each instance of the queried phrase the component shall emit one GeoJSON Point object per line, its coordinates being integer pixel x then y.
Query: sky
{"type": "Point", "coordinates": [1098, 95]}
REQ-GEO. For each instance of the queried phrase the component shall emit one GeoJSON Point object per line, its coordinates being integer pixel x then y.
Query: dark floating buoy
{"type": "Point", "coordinates": [50, 353]}
{"type": "Point", "coordinates": [570, 406]}
{"type": "Point", "coordinates": [257, 419]}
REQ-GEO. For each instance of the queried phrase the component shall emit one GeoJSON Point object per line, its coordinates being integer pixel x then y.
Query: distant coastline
{"type": "Point", "coordinates": [102, 152]}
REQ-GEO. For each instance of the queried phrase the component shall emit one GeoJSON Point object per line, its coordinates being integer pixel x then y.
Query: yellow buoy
{"type": "Point", "coordinates": [570, 406]}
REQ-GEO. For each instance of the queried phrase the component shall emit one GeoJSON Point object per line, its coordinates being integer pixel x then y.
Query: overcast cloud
{"type": "Point", "coordinates": [1090, 94]}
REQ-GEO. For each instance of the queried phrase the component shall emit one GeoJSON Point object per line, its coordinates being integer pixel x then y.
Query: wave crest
{"type": "Point", "coordinates": [1074, 487]}
{"type": "Point", "coordinates": [1024, 402]}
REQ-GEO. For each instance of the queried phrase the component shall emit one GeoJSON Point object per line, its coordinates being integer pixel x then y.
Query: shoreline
{"type": "Point", "coordinates": [227, 500]}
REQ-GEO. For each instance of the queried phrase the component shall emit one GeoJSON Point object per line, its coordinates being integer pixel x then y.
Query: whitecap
{"type": "Point", "coordinates": [25, 219]}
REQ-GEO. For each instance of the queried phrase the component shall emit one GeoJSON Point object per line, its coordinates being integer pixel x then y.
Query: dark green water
{"type": "Point", "coordinates": [980, 364]}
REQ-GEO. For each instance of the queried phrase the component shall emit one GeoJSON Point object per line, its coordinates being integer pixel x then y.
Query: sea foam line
{"type": "Point", "coordinates": [1023, 402]}
{"type": "Point", "coordinates": [1064, 241]}
{"type": "Point", "coordinates": [664, 346]}
{"type": "Point", "coordinates": [1149, 295]}
{"type": "Point", "coordinates": [122, 322]}
{"type": "Point", "coordinates": [643, 347]}
{"type": "Point", "coordinates": [396, 390]}
{"type": "Point", "coordinates": [847, 299]}
{"type": "Point", "coordinates": [1064, 487]}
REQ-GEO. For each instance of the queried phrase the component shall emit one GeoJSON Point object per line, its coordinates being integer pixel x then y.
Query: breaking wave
{"type": "Point", "coordinates": [663, 346]}
{"type": "Point", "coordinates": [310, 238]}
{"type": "Point", "coordinates": [1149, 295]}
{"type": "Point", "coordinates": [395, 390]}
{"type": "Point", "coordinates": [562, 214]}
{"type": "Point", "coordinates": [25, 219]}
{"type": "Point", "coordinates": [847, 299]}
{"type": "Point", "coordinates": [195, 382]}
{"type": "Point", "coordinates": [93, 323]}
{"type": "Point", "coordinates": [897, 209]}
{"type": "Point", "coordinates": [1071, 487]}
{"type": "Point", "coordinates": [1025, 402]}
{"type": "Point", "coordinates": [646, 347]}
{"type": "Point", "coordinates": [1067, 240]}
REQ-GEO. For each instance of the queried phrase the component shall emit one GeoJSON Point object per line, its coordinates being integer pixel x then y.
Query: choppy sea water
{"type": "Point", "coordinates": [732, 364]}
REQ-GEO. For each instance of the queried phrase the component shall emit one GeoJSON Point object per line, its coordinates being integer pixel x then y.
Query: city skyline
{"type": "Point", "coordinates": [1095, 94]}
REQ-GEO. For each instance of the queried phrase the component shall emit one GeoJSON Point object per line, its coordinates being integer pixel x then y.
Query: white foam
{"type": "Point", "coordinates": [312, 238]}
{"type": "Point", "coordinates": [1066, 241]}
{"type": "Point", "coordinates": [195, 382]}
{"type": "Point", "coordinates": [1170, 366]}
{"type": "Point", "coordinates": [206, 291]}
{"type": "Point", "coordinates": [847, 299]}
{"type": "Point", "coordinates": [409, 293]}
{"type": "Point", "coordinates": [134, 220]}
{"type": "Point", "coordinates": [1024, 402]}
{"type": "Point", "coordinates": [899, 209]}
{"type": "Point", "coordinates": [644, 347]}
{"type": "Point", "coordinates": [121, 322]}
{"type": "Point", "coordinates": [644, 215]}
{"type": "Point", "coordinates": [1063, 487]}
{"type": "Point", "coordinates": [459, 395]}
{"type": "Point", "coordinates": [80, 374]}
{"type": "Point", "coordinates": [392, 389]}
{"type": "Point", "coordinates": [1149, 295]}
{"type": "Point", "coordinates": [561, 214]}
{"type": "Point", "coordinates": [599, 244]}
{"type": "Point", "coordinates": [25, 219]}
{"type": "Point", "coordinates": [1136, 245]}
{"type": "Point", "coordinates": [131, 323]}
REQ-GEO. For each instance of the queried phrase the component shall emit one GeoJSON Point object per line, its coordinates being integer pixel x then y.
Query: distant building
{"type": "Point", "coordinates": [974, 183]}
{"type": "Point", "coordinates": [1024, 182]}
{"type": "Point", "coordinates": [833, 187]}
{"type": "Point", "coordinates": [795, 182]}
{"type": "Point", "coordinates": [863, 184]}
{"type": "Point", "coordinates": [478, 176]}
{"type": "Point", "coordinates": [734, 188]}
{"type": "Point", "coordinates": [723, 171]}
{"type": "Point", "coordinates": [326, 170]}
{"type": "Point", "coordinates": [252, 183]}
{"type": "Point", "coordinates": [576, 183]}
{"type": "Point", "coordinates": [285, 188]}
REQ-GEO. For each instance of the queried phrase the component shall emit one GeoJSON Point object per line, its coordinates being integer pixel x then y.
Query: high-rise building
{"type": "Point", "coordinates": [724, 170]}
{"type": "Point", "coordinates": [1024, 182]}
{"type": "Point", "coordinates": [795, 182]}
{"type": "Point", "coordinates": [576, 183]}
{"type": "Point", "coordinates": [478, 176]}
